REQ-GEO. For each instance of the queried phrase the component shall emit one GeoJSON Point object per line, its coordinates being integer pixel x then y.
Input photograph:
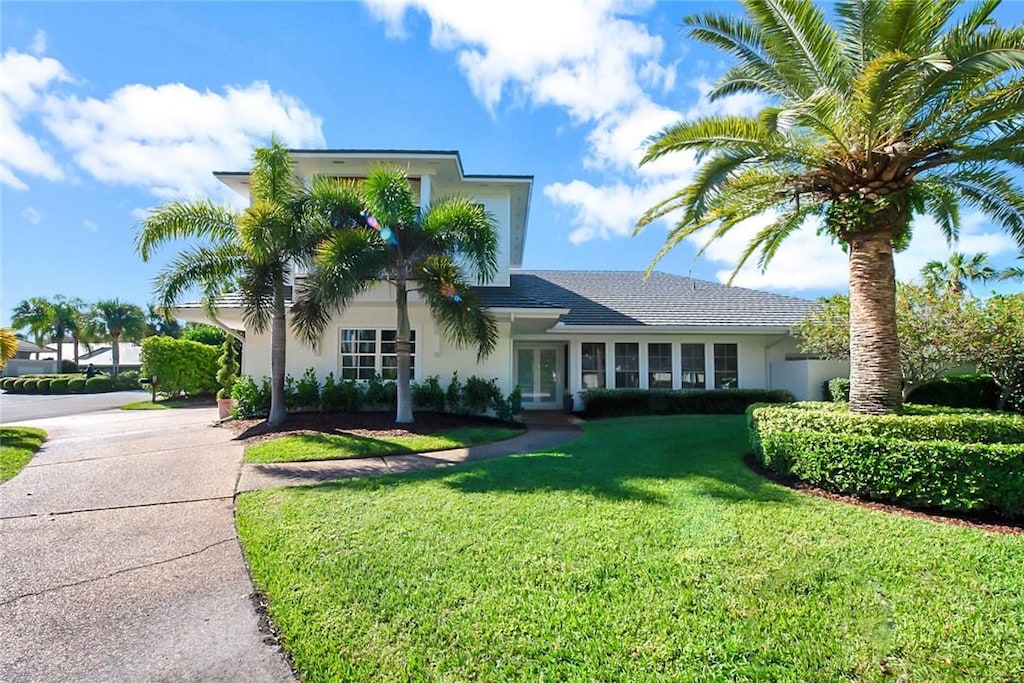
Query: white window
{"type": "Point", "coordinates": [368, 352]}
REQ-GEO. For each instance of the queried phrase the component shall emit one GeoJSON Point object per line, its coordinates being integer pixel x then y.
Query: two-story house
{"type": "Point", "coordinates": [561, 331]}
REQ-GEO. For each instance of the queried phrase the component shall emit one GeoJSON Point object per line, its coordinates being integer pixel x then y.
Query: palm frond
{"type": "Point", "coordinates": [272, 178]}
{"type": "Point", "coordinates": [459, 226]}
{"type": "Point", "coordinates": [857, 21]}
{"type": "Point", "coordinates": [990, 190]}
{"type": "Point", "coordinates": [941, 203]}
{"type": "Point", "coordinates": [201, 219]}
{"type": "Point", "coordinates": [740, 38]}
{"type": "Point", "coordinates": [740, 134]}
{"type": "Point", "coordinates": [463, 321]}
{"type": "Point", "coordinates": [210, 268]}
{"type": "Point", "coordinates": [389, 197]}
{"type": "Point", "coordinates": [801, 43]}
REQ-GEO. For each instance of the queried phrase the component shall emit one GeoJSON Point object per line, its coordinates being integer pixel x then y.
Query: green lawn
{"type": "Point", "coordinates": [162, 404]}
{"type": "Point", "coordinates": [337, 446]}
{"type": "Point", "coordinates": [17, 446]}
{"type": "Point", "coordinates": [643, 551]}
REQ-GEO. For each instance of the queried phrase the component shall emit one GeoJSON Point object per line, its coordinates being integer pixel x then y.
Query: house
{"type": "Point", "coordinates": [560, 331]}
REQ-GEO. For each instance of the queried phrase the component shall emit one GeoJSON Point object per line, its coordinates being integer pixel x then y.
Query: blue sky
{"type": "Point", "coordinates": [107, 109]}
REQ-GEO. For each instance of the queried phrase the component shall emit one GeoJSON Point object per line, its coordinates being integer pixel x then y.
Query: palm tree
{"type": "Point", "coordinates": [49, 321]}
{"type": "Point", "coordinates": [393, 242]}
{"type": "Point", "coordinates": [902, 107]}
{"type": "Point", "coordinates": [1013, 272]}
{"type": "Point", "coordinates": [954, 273]}
{"type": "Point", "coordinates": [160, 322]}
{"type": "Point", "coordinates": [120, 318]}
{"type": "Point", "coordinates": [252, 251]}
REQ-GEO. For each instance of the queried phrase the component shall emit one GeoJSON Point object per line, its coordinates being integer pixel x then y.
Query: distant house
{"type": "Point", "coordinates": [561, 331]}
{"type": "Point", "coordinates": [101, 355]}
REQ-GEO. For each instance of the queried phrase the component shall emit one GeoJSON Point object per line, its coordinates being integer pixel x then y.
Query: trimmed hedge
{"type": "Point", "coordinates": [76, 385]}
{"type": "Point", "coordinates": [180, 366]}
{"type": "Point", "coordinates": [964, 462]}
{"type": "Point", "coordinates": [598, 403]}
{"type": "Point", "coordinates": [29, 385]}
{"type": "Point", "coordinates": [59, 385]}
{"type": "Point", "coordinates": [98, 384]}
{"type": "Point", "coordinates": [958, 391]}
{"type": "Point", "coordinates": [838, 390]}
{"type": "Point", "coordinates": [6, 383]}
{"type": "Point", "coordinates": [43, 385]}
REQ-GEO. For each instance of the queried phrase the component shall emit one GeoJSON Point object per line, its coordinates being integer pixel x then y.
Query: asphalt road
{"type": "Point", "coordinates": [119, 555]}
{"type": "Point", "coordinates": [21, 407]}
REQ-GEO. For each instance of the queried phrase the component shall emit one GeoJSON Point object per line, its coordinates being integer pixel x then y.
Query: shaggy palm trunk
{"type": "Point", "coordinates": [277, 358]}
{"type": "Point", "coordinates": [875, 376]}
{"type": "Point", "coordinates": [60, 351]}
{"type": "Point", "coordinates": [115, 352]}
{"type": "Point", "coordinates": [402, 349]}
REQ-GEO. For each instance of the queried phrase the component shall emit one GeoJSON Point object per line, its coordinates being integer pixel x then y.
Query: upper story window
{"type": "Point", "coordinates": [367, 352]}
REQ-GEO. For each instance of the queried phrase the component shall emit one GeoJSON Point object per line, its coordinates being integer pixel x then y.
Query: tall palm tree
{"type": "Point", "coordinates": [159, 322]}
{"type": "Point", "coordinates": [900, 107]}
{"type": "Point", "coordinates": [392, 241]}
{"type": "Point", "coordinates": [120, 318]}
{"type": "Point", "coordinates": [49, 321]}
{"type": "Point", "coordinates": [251, 251]}
{"type": "Point", "coordinates": [954, 273]}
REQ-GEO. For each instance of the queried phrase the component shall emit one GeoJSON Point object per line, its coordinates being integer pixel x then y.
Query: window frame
{"type": "Point", "coordinates": [601, 373]}
{"type": "Point", "coordinates": [697, 370]}
{"type": "Point", "coordinates": [735, 358]}
{"type": "Point", "coordinates": [633, 372]}
{"type": "Point", "coordinates": [377, 354]}
{"type": "Point", "coordinates": [659, 368]}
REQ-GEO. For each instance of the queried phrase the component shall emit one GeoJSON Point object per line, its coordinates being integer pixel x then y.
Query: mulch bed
{"type": "Point", "coordinates": [375, 425]}
{"type": "Point", "coordinates": [985, 522]}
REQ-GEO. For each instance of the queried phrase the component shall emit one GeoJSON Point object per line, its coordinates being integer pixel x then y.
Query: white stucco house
{"type": "Point", "coordinates": [561, 331]}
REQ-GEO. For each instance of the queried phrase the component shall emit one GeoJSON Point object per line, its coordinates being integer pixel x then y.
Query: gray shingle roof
{"type": "Point", "coordinates": [626, 298]}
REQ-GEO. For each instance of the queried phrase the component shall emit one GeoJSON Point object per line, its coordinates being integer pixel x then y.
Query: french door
{"type": "Point", "coordinates": [538, 373]}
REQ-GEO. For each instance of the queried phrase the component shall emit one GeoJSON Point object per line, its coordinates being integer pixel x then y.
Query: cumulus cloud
{"type": "Point", "coordinates": [38, 44]}
{"type": "Point", "coordinates": [169, 138]}
{"type": "Point", "coordinates": [32, 215]}
{"type": "Point", "coordinates": [24, 79]}
{"type": "Point", "coordinates": [90, 225]}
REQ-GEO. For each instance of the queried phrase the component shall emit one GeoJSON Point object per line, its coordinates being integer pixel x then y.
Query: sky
{"type": "Point", "coordinates": [109, 109]}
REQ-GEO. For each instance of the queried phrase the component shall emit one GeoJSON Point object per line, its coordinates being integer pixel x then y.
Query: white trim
{"type": "Point", "coordinates": [378, 354]}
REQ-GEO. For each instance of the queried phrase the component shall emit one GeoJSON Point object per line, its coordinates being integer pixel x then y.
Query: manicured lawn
{"type": "Point", "coordinates": [17, 446]}
{"type": "Point", "coordinates": [643, 551]}
{"type": "Point", "coordinates": [304, 447]}
{"type": "Point", "coordinates": [164, 404]}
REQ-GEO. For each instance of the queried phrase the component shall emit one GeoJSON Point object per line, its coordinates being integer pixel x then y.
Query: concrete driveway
{"type": "Point", "coordinates": [21, 407]}
{"type": "Point", "coordinates": [119, 560]}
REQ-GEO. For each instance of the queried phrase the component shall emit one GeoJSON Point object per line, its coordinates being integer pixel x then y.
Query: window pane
{"type": "Point", "coordinates": [659, 366]}
{"type": "Point", "coordinates": [726, 366]}
{"type": "Point", "coordinates": [692, 367]}
{"type": "Point", "coordinates": [627, 365]}
{"type": "Point", "coordinates": [593, 365]}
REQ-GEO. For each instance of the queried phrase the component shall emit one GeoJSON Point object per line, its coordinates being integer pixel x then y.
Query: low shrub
{"type": "Point", "coordinates": [428, 395]}
{"type": "Point", "coordinates": [18, 385]}
{"type": "Point", "coordinates": [28, 385]}
{"type": "Point", "coordinates": [43, 385]}
{"type": "Point", "coordinates": [343, 396]}
{"type": "Point", "coordinates": [251, 400]}
{"type": "Point", "coordinates": [98, 384]}
{"type": "Point", "coordinates": [6, 383]}
{"type": "Point", "coordinates": [958, 391]}
{"type": "Point", "coordinates": [379, 394]}
{"type": "Point", "coordinates": [838, 390]}
{"type": "Point", "coordinates": [966, 462]}
{"type": "Point", "coordinates": [76, 385]}
{"type": "Point", "coordinates": [59, 385]}
{"type": "Point", "coordinates": [306, 395]}
{"type": "Point", "coordinates": [126, 380]}
{"type": "Point", "coordinates": [68, 367]}
{"type": "Point", "coordinates": [598, 403]}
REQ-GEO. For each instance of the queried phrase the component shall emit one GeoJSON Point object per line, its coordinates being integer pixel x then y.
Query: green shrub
{"type": "Point", "coordinates": [307, 391]}
{"type": "Point", "coordinates": [478, 395]}
{"type": "Point", "coordinates": [453, 394]}
{"type": "Point", "coordinates": [126, 380]}
{"type": "Point", "coordinates": [68, 367]}
{"type": "Point", "coordinates": [180, 366]}
{"type": "Point", "coordinates": [43, 385]}
{"type": "Point", "coordinates": [251, 400]}
{"type": "Point", "coordinates": [967, 462]}
{"type": "Point", "coordinates": [507, 408]}
{"type": "Point", "coordinates": [958, 391]}
{"type": "Point", "coordinates": [18, 385]}
{"type": "Point", "coordinates": [6, 383]}
{"type": "Point", "coordinates": [28, 385]}
{"type": "Point", "coordinates": [227, 368]}
{"type": "Point", "coordinates": [598, 403]}
{"type": "Point", "coordinates": [838, 390]}
{"type": "Point", "coordinates": [59, 385]}
{"type": "Point", "coordinates": [380, 395]}
{"type": "Point", "coordinates": [202, 333]}
{"type": "Point", "coordinates": [76, 385]}
{"type": "Point", "coordinates": [343, 396]}
{"type": "Point", "coordinates": [98, 384]}
{"type": "Point", "coordinates": [428, 395]}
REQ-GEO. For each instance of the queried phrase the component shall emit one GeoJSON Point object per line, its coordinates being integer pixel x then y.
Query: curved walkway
{"type": "Point", "coordinates": [542, 434]}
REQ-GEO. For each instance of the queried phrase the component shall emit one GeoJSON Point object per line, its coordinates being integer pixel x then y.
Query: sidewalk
{"type": "Point", "coordinates": [544, 431]}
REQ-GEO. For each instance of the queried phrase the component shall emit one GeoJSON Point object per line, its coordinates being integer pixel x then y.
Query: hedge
{"type": "Point", "coordinates": [76, 385]}
{"type": "Point", "coordinates": [98, 384]}
{"type": "Point", "coordinates": [6, 383]}
{"type": "Point", "coordinates": [976, 465]}
{"type": "Point", "coordinates": [180, 366]}
{"type": "Point", "coordinates": [598, 403]}
{"type": "Point", "coordinates": [958, 391]}
{"type": "Point", "coordinates": [29, 385]}
{"type": "Point", "coordinates": [43, 385]}
{"type": "Point", "coordinates": [59, 385]}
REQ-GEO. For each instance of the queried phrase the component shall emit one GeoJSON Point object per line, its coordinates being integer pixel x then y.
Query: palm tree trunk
{"type": "Point", "coordinates": [60, 351]}
{"type": "Point", "coordinates": [875, 375]}
{"type": "Point", "coordinates": [402, 348]}
{"type": "Point", "coordinates": [116, 351]}
{"type": "Point", "coordinates": [277, 358]}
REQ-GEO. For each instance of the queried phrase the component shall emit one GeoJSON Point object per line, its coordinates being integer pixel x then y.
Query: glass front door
{"type": "Point", "coordinates": [538, 374]}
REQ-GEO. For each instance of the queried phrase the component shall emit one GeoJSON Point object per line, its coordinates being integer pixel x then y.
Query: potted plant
{"type": "Point", "coordinates": [226, 376]}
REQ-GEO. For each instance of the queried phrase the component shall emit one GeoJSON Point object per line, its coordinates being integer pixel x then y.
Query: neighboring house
{"type": "Point", "coordinates": [101, 355]}
{"type": "Point", "coordinates": [23, 362]}
{"type": "Point", "coordinates": [561, 331]}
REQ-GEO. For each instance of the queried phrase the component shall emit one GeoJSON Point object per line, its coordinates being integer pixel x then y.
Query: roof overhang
{"type": "Point", "coordinates": [669, 329]}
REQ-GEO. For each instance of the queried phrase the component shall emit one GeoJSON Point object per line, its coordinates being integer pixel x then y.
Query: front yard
{"type": "Point", "coordinates": [645, 550]}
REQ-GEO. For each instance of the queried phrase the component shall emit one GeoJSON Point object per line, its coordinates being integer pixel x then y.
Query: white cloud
{"type": "Point", "coordinates": [23, 80]}
{"type": "Point", "coordinates": [32, 215]}
{"type": "Point", "coordinates": [38, 44]}
{"type": "Point", "coordinates": [169, 138]}
{"type": "Point", "coordinates": [90, 225]}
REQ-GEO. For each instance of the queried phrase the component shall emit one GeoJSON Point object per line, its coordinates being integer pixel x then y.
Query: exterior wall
{"type": "Point", "coordinates": [434, 356]}
{"type": "Point", "coordinates": [24, 366]}
{"type": "Point", "coordinates": [805, 378]}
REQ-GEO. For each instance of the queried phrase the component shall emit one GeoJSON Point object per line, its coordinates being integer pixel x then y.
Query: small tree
{"type": "Point", "coordinates": [995, 334]}
{"type": "Point", "coordinates": [227, 372]}
{"type": "Point", "coordinates": [931, 325]}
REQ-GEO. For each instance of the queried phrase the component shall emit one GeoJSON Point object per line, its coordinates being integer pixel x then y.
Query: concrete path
{"type": "Point", "coordinates": [540, 437]}
{"type": "Point", "coordinates": [119, 560]}
{"type": "Point", "coordinates": [22, 407]}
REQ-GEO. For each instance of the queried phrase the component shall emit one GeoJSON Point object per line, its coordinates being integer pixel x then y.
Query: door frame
{"type": "Point", "coordinates": [559, 349]}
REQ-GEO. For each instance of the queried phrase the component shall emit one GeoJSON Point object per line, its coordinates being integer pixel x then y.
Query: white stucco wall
{"type": "Point", "coordinates": [806, 378]}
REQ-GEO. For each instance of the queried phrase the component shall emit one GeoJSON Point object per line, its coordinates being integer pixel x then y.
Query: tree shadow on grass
{"type": "Point", "coordinates": [625, 459]}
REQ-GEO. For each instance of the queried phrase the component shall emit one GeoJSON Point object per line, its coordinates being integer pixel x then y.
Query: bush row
{"type": "Point", "coordinates": [58, 384]}
{"type": "Point", "coordinates": [921, 461]}
{"type": "Point", "coordinates": [954, 391]}
{"type": "Point", "coordinates": [475, 396]}
{"type": "Point", "coordinates": [598, 403]}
